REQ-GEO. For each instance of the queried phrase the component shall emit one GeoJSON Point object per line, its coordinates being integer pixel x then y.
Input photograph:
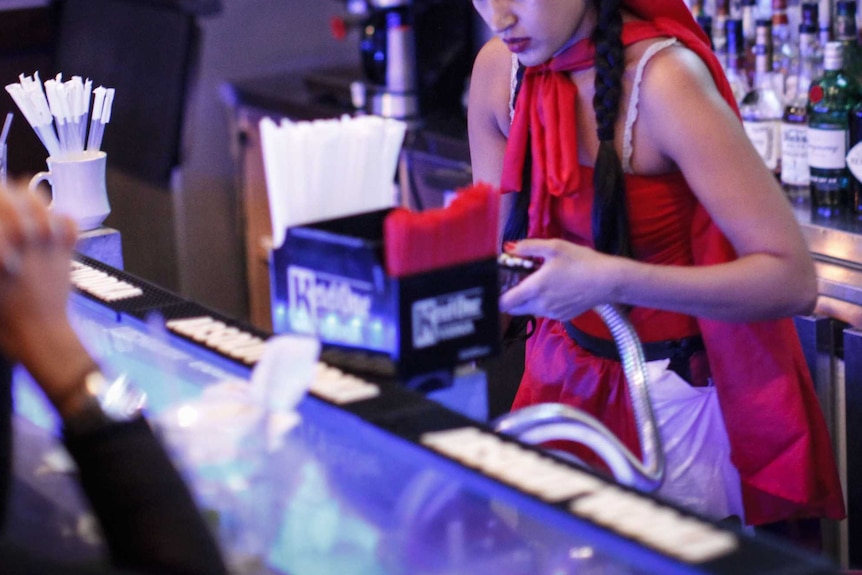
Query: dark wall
{"type": "Point", "coordinates": [27, 41]}
{"type": "Point", "coordinates": [147, 52]}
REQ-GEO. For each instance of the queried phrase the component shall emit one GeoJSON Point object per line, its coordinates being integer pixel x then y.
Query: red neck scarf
{"type": "Point", "coordinates": [545, 115]}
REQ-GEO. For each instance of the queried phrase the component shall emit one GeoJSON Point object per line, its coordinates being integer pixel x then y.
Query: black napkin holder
{"type": "Point", "coordinates": [329, 279]}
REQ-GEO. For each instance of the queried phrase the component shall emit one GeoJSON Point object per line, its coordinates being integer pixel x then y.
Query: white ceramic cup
{"type": "Point", "coordinates": [78, 187]}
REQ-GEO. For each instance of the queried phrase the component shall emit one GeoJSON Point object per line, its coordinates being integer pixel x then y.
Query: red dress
{"type": "Point", "coordinates": [779, 441]}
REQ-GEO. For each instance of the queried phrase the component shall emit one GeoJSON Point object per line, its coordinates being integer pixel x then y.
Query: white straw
{"type": "Point", "coordinates": [271, 139]}
{"type": "Point", "coordinates": [55, 97]}
{"type": "Point", "coordinates": [6, 125]}
{"type": "Point", "coordinates": [326, 169]}
{"type": "Point", "coordinates": [84, 112]}
{"type": "Point", "coordinates": [17, 93]}
{"type": "Point", "coordinates": [58, 111]}
{"type": "Point", "coordinates": [106, 109]}
{"type": "Point", "coordinates": [96, 137]}
{"type": "Point", "coordinates": [96, 121]}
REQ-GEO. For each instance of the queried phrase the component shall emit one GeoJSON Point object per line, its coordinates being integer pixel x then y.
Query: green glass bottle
{"type": "Point", "coordinates": [830, 100]}
{"type": "Point", "coordinates": [847, 33]}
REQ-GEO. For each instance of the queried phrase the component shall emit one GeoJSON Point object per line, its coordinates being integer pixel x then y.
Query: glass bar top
{"type": "Point", "coordinates": [394, 483]}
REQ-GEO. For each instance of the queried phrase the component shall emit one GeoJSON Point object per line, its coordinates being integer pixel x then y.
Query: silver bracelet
{"type": "Point", "coordinates": [107, 402]}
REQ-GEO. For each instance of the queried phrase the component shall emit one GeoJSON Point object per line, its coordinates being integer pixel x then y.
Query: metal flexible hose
{"type": "Point", "coordinates": [545, 422]}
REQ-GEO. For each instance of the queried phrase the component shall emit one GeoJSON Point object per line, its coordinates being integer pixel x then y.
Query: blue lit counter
{"type": "Point", "coordinates": [387, 482]}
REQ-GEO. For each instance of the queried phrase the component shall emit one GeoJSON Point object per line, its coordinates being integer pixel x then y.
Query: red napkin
{"type": "Point", "coordinates": [466, 230]}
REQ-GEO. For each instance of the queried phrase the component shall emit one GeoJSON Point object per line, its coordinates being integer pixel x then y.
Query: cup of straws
{"type": "Point", "coordinates": [60, 113]}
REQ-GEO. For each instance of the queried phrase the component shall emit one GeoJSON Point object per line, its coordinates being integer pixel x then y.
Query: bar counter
{"type": "Point", "coordinates": [384, 483]}
{"type": "Point", "coordinates": [836, 245]}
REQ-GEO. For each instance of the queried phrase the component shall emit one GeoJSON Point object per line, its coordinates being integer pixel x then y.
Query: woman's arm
{"type": "Point", "coordinates": [683, 121]}
{"type": "Point", "coordinates": [488, 117]}
{"type": "Point", "coordinates": [696, 129]}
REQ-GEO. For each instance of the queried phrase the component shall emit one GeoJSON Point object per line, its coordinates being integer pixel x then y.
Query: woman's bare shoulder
{"type": "Point", "coordinates": [680, 112]}
{"type": "Point", "coordinates": [678, 96]}
{"type": "Point", "coordinates": [494, 60]}
{"type": "Point", "coordinates": [676, 72]}
{"type": "Point", "coordinates": [490, 84]}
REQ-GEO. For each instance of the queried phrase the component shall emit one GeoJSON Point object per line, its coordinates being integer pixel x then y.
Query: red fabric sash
{"type": "Point", "coordinates": [780, 443]}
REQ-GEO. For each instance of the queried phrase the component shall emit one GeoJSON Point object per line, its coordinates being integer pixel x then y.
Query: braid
{"type": "Point", "coordinates": [609, 217]}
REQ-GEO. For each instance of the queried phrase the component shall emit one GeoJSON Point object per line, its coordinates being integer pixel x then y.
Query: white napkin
{"type": "Point", "coordinates": [285, 371]}
{"type": "Point", "coordinates": [218, 426]}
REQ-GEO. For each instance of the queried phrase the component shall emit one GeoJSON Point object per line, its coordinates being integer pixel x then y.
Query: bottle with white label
{"type": "Point", "coordinates": [830, 99]}
{"type": "Point", "coordinates": [795, 176]}
{"type": "Point", "coordinates": [762, 108]}
{"type": "Point", "coordinates": [854, 158]}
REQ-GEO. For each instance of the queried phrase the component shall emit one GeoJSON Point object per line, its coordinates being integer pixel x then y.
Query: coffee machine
{"type": "Point", "coordinates": [388, 50]}
{"type": "Point", "coordinates": [416, 55]}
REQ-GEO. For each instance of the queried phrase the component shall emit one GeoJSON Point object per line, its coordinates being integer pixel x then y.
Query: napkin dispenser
{"type": "Point", "coordinates": [329, 279]}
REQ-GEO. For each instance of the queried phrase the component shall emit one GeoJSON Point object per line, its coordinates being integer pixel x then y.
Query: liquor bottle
{"type": "Point", "coordinates": [748, 14]}
{"type": "Point", "coordinates": [830, 99]}
{"type": "Point", "coordinates": [846, 33]}
{"type": "Point", "coordinates": [808, 35]}
{"type": "Point", "coordinates": [783, 46]}
{"type": "Point", "coordinates": [809, 15]}
{"type": "Point", "coordinates": [795, 177]}
{"type": "Point", "coordinates": [719, 29]}
{"type": "Point", "coordinates": [824, 23]}
{"type": "Point", "coordinates": [705, 23]}
{"type": "Point", "coordinates": [854, 158]}
{"type": "Point", "coordinates": [762, 108]}
{"type": "Point", "coordinates": [734, 65]}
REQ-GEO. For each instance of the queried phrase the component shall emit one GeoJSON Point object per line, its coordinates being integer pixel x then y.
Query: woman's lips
{"type": "Point", "coordinates": [517, 45]}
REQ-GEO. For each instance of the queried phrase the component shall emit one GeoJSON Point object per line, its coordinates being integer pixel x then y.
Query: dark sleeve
{"type": "Point", "coordinates": [17, 561]}
{"type": "Point", "coordinates": [149, 519]}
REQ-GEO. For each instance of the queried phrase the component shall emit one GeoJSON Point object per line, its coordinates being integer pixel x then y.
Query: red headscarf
{"type": "Point", "coordinates": [780, 443]}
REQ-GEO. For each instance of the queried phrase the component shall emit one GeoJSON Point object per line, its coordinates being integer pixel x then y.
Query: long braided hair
{"type": "Point", "coordinates": [609, 215]}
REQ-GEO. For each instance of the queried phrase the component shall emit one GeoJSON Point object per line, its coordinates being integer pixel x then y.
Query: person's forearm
{"type": "Point", "coordinates": [752, 288]}
{"type": "Point", "coordinates": [58, 360]}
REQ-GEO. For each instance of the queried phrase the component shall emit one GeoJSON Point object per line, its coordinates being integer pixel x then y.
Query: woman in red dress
{"type": "Point", "coordinates": [637, 186]}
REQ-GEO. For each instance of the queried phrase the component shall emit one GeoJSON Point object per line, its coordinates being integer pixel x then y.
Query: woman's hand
{"type": "Point", "coordinates": [35, 253]}
{"type": "Point", "coordinates": [35, 250]}
{"type": "Point", "coordinates": [571, 280]}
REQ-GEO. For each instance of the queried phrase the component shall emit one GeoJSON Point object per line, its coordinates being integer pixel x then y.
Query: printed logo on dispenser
{"type": "Point", "coordinates": [316, 298]}
{"type": "Point", "coordinates": [446, 317]}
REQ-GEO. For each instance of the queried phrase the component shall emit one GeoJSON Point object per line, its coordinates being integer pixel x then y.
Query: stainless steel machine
{"type": "Point", "coordinates": [416, 55]}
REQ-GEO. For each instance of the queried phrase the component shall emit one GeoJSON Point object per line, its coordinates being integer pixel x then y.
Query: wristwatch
{"type": "Point", "coordinates": [106, 402]}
